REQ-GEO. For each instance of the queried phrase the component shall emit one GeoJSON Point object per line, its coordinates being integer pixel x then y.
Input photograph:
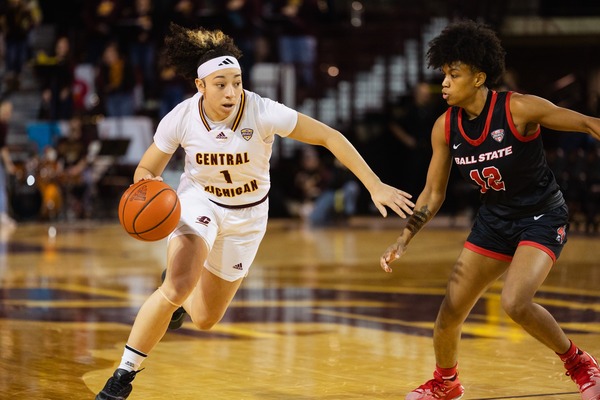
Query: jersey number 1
{"type": "Point", "coordinates": [489, 178]}
{"type": "Point", "coordinates": [227, 176]}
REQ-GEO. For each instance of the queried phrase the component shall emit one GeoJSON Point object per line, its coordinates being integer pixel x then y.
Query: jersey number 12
{"type": "Point", "coordinates": [489, 178]}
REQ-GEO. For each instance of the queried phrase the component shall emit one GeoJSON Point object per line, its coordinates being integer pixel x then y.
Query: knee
{"type": "Point", "coordinates": [449, 316]}
{"type": "Point", "coordinates": [171, 295]}
{"type": "Point", "coordinates": [174, 293]}
{"type": "Point", "coordinates": [205, 323]}
{"type": "Point", "coordinates": [514, 307]}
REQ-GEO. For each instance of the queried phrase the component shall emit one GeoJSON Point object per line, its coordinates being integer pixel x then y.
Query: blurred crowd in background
{"type": "Point", "coordinates": [64, 68]}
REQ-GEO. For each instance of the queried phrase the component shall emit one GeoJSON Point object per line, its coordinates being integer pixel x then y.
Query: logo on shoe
{"type": "Point", "coordinates": [585, 386]}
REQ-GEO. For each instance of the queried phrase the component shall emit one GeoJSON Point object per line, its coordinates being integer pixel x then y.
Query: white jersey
{"type": "Point", "coordinates": [228, 160]}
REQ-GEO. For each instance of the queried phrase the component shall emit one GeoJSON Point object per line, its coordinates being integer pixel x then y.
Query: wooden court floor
{"type": "Point", "coordinates": [315, 319]}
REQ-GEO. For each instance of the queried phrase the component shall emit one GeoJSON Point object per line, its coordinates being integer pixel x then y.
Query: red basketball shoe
{"type": "Point", "coordinates": [438, 388]}
{"type": "Point", "coordinates": [584, 371]}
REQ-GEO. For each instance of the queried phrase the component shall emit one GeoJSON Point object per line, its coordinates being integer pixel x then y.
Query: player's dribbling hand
{"type": "Point", "coordinates": [395, 199]}
{"type": "Point", "coordinates": [150, 177]}
{"type": "Point", "coordinates": [392, 253]}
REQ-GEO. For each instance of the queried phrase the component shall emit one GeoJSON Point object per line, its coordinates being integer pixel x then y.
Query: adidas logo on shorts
{"type": "Point", "coordinates": [238, 266]}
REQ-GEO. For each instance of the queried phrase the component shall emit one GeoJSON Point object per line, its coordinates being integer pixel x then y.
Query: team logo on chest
{"type": "Point", "coordinates": [498, 135]}
{"type": "Point", "coordinates": [247, 133]}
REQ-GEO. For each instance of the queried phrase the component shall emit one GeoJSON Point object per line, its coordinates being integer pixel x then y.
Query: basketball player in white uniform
{"type": "Point", "coordinates": [227, 134]}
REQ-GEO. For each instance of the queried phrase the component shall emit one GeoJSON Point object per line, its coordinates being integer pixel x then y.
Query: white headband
{"type": "Point", "coordinates": [215, 64]}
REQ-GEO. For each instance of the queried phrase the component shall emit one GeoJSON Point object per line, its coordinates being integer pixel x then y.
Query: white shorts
{"type": "Point", "coordinates": [231, 235]}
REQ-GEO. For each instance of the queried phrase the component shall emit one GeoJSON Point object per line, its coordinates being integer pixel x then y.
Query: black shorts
{"type": "Point", "coordinates": [499, 238]}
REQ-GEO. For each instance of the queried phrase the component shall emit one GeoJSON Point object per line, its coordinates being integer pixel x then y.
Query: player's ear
{"type": "Point", "coordinates": [480, 78]}
{"type": "Point", "coordinates": [200, 85]}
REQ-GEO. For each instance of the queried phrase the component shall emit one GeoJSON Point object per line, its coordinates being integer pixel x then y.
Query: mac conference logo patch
{"type": "Point", "coordinates": [247, 133]}
{"type": "Point", "coordinates": [498, 135]}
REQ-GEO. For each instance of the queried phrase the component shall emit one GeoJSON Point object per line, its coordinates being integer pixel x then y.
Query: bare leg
{"type": "Point", "coordinates": [471, 276]}
{"type": "Point", "coordinates": [185, 255]}
{"type": "Point", "coordinates": [527, 272]}
{"type": "Point", "coordinates": [208, 303]}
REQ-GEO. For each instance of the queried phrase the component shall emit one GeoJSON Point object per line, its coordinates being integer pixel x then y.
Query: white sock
{"type": "Point", "coordinates": [132, 359]}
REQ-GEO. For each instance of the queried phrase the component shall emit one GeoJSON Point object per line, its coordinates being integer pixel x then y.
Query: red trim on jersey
{"type": "Point", "coordinates": [486, 129]}
{"type": "Point", "coordinates": [539, 246]}
{"type": "Point", "coordinates": [511, 123]}
{"type": "Point", "coordinates": [447, 127]}
{"type": "Point", "coordinates": [487, 253]}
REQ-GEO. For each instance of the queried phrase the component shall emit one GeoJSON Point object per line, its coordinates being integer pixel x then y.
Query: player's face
{"type": "Point", "coordinates": [222, 90]}
{"type": "Point", "coordinates": [460, 83]}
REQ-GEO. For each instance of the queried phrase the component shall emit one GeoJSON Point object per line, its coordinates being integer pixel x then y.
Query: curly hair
{"type": "Point", "coordinates": [471, 43]}
{"type": "Point", "coordinates": [185, 49]}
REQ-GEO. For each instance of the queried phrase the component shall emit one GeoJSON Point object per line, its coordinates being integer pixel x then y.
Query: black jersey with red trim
{"type": "Point", "coordinates": [509, 170]}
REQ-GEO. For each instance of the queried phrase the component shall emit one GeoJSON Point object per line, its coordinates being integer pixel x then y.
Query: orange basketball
{"type": "Point", "coordinates": [149, 210]}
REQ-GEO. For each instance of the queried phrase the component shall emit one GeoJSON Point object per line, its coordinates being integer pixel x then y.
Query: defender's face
{"type": "Point", "coordinates": [460, 83]}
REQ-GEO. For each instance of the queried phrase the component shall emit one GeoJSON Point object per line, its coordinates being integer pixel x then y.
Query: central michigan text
{"type": "Point", "coordinates": [248, 187]}
{"type": "Point", "coordinates": [222, 158]}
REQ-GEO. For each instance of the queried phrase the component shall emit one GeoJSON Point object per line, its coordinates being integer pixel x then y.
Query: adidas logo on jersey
{"type": "Point", "coordinates": [238, 266]}
{"type": "Point", "coordinates": [221, 136]}
{"type": "Point", "coordinates": [226, 61]}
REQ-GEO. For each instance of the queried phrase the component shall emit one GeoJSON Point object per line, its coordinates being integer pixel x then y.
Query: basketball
{"type": "Point", "coordinates": [149, 210]}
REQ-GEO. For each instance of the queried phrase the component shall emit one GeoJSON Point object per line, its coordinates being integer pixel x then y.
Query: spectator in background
{"type": "Point", "coordinates": [306, 182]}
{"type": "Point", "coordinates": [242, 20]}
{"type": "Point", "coordinates": [185, 12]}
{"type": "Point", "coordinates": [322, 192]}
{"type": "Point", "coordinates": [297, 38]}
{"type": "Point", "coordinates": [139, 25]}
{"type": "Point", "coordinates": [56, 76]}
{"type": "Point", "coordinates": [115, 82]}
{"type": "Point", "coordinates": [6, 164]}
{"type": "Point", "coordinates": [100, 17]}
{"type": "Point", "coordinates": [172, 88]}
{"type": "Point", "coordinates": [76, 173]}
{"type": "Point", "coordinates": [410, 126]}
{"type": "Point", "coordinates": [17, 20]}
{"type": "Point", "coordinates": [338, 199]}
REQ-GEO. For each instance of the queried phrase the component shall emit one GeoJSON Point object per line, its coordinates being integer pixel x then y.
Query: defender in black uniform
{"type": "Point", "coordinates": [521, 226]}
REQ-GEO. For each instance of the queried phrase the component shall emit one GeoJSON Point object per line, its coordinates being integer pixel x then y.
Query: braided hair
{"type": "Point", "coordinates": [471, 43]}
{"type": "Point", "coordinates": [186, 49]}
